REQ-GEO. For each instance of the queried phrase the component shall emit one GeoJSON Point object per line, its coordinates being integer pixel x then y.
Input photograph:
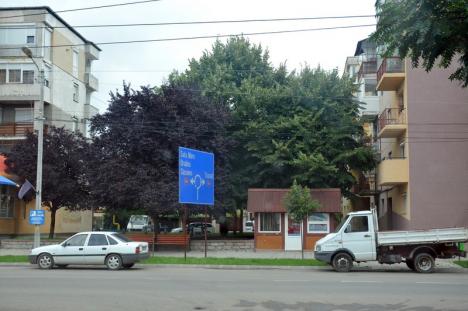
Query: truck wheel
{"type": "Point", "coordinates": [424, 263]}
{"type": "Point", "coordinates": [342, 262]}
{"type": "Point", "coordinates": [410, 264]}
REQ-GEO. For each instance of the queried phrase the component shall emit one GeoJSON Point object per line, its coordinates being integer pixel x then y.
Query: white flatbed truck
{"type": "Point", "coordinates": [358, 239]}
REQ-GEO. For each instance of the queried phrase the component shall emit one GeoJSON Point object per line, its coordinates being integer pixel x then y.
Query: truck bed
{"type": "Point", "coordinates": [422, 236]}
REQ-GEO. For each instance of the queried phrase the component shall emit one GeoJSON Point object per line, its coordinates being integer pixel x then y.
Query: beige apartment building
{"type": "Point", "coordinates": [422, 133]}
{"type": "Point", "coordinates": [66, 58]}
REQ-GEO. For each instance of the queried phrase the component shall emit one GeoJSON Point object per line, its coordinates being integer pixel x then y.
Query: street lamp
{"type": "Point", "coordinates": [39, 127]}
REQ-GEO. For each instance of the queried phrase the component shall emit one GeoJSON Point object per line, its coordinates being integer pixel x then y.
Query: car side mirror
{"type": "Point", "coordinates": [65, 244]}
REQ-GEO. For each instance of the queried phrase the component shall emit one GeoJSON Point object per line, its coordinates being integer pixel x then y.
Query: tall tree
{"type": "Point", "coordinates": [427, 30]}
{"type": "Point", "coordinates": [64, 182]}
{"type": "Point", "coordinates": [299, 205]}
{"type": "Point", "coordinates": [286, 126]}
{"type": "Point", "coordinates": [136, 146]}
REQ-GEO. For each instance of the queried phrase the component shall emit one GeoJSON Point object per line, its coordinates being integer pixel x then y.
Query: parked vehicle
{"type": "Point", "coordinates": [91, 248]}
{"type": "Point", "coordinates": [357, 239]}
{"type": "Point", "coordinates": [140, 223]}
{"type": "Point", "coordinates": [249, 226]}
{"type": "Point", "coordinates": [177, 230]}
{"type": "Point", "coordinates": [199, 228]}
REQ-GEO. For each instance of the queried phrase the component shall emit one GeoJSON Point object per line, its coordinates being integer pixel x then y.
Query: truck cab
{"type": "Point", "coordinates": [355, 236]}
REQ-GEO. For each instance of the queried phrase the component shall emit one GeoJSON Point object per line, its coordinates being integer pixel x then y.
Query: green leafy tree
{"type": "Point", "coordinates": [64, 179]}
{"type": "Point", "coordinates": [299, 204]}
{"type": "Point", "coordinates": [286, 125]}
{"type": "Point", "coordinates": [427, 31]}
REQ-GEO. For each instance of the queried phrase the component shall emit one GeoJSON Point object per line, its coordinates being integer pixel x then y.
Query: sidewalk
{"type": "Point", "coordinates": [444, 264]}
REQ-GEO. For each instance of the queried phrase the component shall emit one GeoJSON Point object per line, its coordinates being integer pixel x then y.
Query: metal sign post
{"type": "Point", "coordinates": [196, 182]}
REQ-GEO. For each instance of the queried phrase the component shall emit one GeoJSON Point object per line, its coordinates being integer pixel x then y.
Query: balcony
{"type": "Point", "coordinates": [365, 185]}
{"type": "Point", "coordinates": [367, 67]}
{"type": "Point", "coordinates": [392, 171]}
{"type": "Point", "coordinates": [91, 82]}
{"type": "Point", "coordinates": [392, 123]}
{"type": "Point", "coordinates": [391, 74]}
{"type": "Point", "coordinates": [19, 92]}
{"type": "Point", "coordinates": [91, 52]}
{"type": "Point", "coordinates": [12, 131]}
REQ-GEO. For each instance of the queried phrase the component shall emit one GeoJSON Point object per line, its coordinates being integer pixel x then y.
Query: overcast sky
{"type": "Point", "coordinates": [149, 63]}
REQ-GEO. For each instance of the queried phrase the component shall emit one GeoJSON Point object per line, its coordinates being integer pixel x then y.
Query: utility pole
{"type": "Point", "coordinates": [39, 127]}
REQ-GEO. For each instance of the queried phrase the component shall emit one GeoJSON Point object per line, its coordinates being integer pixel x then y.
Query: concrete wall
{"type": "Point", "coordinates": [438, 149]}
{"type": "Point", "coordinates": [222, 245]}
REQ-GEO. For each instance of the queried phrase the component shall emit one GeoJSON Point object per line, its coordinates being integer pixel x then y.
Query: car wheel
{"type": "Point", "coordinates": [128, 265]}
{"type": "Point", "coordinates": [410, 264]}
{"type": "Point", "coordinates": [62, 266]}
{"type": "Point", "coordinates": [424, 263]}
{"type": "Point", "coordinates": [342, 262]}
{"type": "Point", "coordinates": [45, 261]}
{"type": "Point", "coordinates": [114, 262]}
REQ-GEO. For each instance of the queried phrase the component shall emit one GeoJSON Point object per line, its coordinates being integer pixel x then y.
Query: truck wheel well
{"type": "Point", "coordinates": [343, 250]}
{"type": "Point", "coordinates": [423, 249]}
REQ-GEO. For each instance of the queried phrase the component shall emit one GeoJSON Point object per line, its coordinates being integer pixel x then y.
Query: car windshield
{"type": "Point", "coordinates": [341, 224]}
{"type": "Point", "coordinates": [121, 237]}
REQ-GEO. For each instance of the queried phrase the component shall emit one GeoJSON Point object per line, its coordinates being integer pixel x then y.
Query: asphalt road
{"type": "Point", "coordinates": [184, 288]}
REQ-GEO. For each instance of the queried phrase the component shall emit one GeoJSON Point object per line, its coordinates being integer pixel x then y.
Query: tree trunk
{"type": "Point", "coordinates": [241, 229]}
{"type": "Point", "coordinates": [155, 230]}
{"type": "Point", "coordinates": [52, 223]}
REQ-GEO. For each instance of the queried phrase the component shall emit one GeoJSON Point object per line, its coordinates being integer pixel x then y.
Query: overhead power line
{"type": "Point", "coordinates": [85, 8]}
{"type": "Point", "coordinates": [199, 37]}
{"type": "Point", "coordinates": [258, 20]}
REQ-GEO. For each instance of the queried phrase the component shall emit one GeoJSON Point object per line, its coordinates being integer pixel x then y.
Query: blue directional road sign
{"type": "Point", "coordinates": [36, 217]}
{"type": "Point", "coordinates": [196, 176]}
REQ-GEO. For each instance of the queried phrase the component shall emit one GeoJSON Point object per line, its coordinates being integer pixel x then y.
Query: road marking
{"type": "Point", "coordinates": [364, 281]}
{"type": "Point", "coordinates": [292, 280]}
{"type": "Point", "coordinates": [440, 283]}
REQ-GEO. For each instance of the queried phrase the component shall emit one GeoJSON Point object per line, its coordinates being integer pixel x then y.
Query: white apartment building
{"type": "Point", "coordinates": [66, 58]}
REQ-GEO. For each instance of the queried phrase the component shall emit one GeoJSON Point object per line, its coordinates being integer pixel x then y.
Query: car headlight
{"type": "Point", "coordinates": [318, 248]}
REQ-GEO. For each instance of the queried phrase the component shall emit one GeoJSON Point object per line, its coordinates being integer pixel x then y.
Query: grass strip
{"type": "Point", "coordinates": [233, 261]}
{"type": "Point", "coordinates": [11, 258]}
{"type": "Point", "coordinates": [205, 261]}
{"type": "Point", "coordinates": [462, 263]}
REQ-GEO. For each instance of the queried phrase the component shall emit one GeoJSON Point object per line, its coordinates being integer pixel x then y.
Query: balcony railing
{"type": "Point", "coordinates": [390, 65]}
{"type": "Point", "coordinates": [366, 184]}
{"type": "Point", "coordinates": [19, 129]}
{"type": "Point", "coordinates": [392, 171]}
{"type": "Point", "coordinates": [392, 116]}
{"type": "Point", "coordinates": [92, 82]}
{"type": "Point", "coordinates": [367, 67]}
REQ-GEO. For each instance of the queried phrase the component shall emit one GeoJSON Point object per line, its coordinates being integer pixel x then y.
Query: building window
{"type": "Point", "coordinates": [76, 94]}
{"type": "Point", "coordinates": [47, 70]}
{"type": "Point", "coordinates": [75, 63]}
{"type": "Point", "coordinates": [30, 39]}
{"type": "Point", "coordinates": [318, 223]}
{"type": "Point", "coordinates": [14, 76]}
{"type": "Point", "coordinates": [47, 44]}
{"type": "Point", "coordinates": [23, 115]}
{"type": "Point", "coordinates": [2, 76]}
{"type": "Point", "coordinates": [7, 202]}
{"type": "Point", "coordinates": [28, 76]}
{"type": "Point", "coordinates": [270, 222]}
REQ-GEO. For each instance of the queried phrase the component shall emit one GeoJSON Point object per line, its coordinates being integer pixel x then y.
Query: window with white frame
{"type": "Point", "coordinates": [23, 115]}
{"type": "Point", "coordinates": [76, 90]}
{"type": "Point", "coordinates": [318, 223]}
{"type": "Point", "coordinates": [75, 63]}
{"type": "Point", "coordinates": [47, 44]}
{"type": "Point", "coordinates": [17, 73]}
{"type": "Point", "coordinates": [270, 222]}
{"type": "Point", "coordinates": [7, 202]}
